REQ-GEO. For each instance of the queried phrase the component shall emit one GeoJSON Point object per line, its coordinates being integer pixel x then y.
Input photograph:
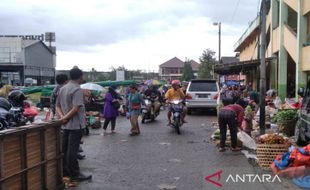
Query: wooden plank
{"type": "Point", "coordinates": [23, 156]}
{"type": "Point", "coordinates": [1, 162]}
{"type": "Point", "coordinates": [34, 176]}
{"type": "Point", "coordinates": [43, 158]}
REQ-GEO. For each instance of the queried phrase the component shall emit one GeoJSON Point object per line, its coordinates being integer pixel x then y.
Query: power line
{"type": "Point", "coordinates": [235, 11]}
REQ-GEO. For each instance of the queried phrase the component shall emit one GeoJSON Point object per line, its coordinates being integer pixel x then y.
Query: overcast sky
{"type": "Point", "coordinates": [139, 34]}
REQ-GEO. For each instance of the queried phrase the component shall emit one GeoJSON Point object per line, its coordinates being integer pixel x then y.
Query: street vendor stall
{"type": "Point", "coordinates": [31, 158]}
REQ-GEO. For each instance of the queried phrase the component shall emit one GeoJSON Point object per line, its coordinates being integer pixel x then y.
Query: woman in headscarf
{"type": "Point", "coordinates": [135, 100]}
{"type": "Point", "coordinates": [111, 106]}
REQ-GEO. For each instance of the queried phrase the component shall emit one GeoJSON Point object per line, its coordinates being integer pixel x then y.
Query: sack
{"type": "Point", "coordinates": [116, 105]}
{"type": "Point", "coordinates": [136, 106]}
{"type": "Point", "coordinates": [246, 140]}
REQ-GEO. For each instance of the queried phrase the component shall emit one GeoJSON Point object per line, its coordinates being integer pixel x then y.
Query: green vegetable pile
{"type": "Point", "coordinates": [285, 115]}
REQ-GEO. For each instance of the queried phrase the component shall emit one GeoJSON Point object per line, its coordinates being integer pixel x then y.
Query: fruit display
{"type": "Point", "coordinates": [273, 139]}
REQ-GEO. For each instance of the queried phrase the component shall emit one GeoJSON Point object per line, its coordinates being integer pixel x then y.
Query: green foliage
{"type": "Point", "coordinates": [188, 73]}
{"type": "Point", "coordinates": [207, 61]}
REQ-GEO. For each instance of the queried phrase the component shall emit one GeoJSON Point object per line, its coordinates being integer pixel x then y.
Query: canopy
{"type": "Point", "coordinates": [116, 83]}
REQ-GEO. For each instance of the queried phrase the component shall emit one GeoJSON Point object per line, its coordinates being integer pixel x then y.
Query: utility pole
{"type": "Point", "coordinates": [220, 33]}
{"type": "Point", "coordinates": [262, 68]}
{"type": "Point", "coordinates": [219, 24]}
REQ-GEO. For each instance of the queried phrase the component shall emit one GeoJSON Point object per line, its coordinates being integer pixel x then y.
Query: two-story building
{"type": "Point", "coordinates": [287, 47]}
{"type": "Point", "coordinates": [26, 57]}
{"type": "Point", "coordinates": [173, 69]}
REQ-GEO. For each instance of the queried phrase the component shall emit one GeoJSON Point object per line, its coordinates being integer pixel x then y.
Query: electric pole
{"type": "Point", "coordinates": [262, 68]}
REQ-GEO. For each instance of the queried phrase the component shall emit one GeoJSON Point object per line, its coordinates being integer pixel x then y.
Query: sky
{"type": "Point", "coordinates": [137, 34]}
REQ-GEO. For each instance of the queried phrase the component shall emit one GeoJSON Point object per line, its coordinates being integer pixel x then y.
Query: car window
{"type": "Point", "coordinates": [203, 86]}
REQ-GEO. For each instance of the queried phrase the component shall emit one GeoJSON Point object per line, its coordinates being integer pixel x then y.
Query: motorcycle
{"type": "Point", "coordinates": [148, 111]}
{"type": "Point", "coordinates": [5, 107]}
{"type": "Point", "coordinates": [16, 98]}
{"type": "Point", "coordinates": [177, 110]}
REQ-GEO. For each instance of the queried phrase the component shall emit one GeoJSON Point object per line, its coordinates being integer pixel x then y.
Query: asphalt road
{"type": "Point", "coordinates": [159, 159]}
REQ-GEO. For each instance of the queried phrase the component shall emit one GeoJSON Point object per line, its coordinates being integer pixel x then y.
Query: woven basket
{"type": "Point", "coordinates": [287, 127]}
{"type": "Point", "coordinates": [266, 153]}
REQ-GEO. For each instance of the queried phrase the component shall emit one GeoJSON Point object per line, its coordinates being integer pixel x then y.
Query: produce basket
{"type": "Point", "coordinates": [266, 153]}
{"type": "Point", "coordinates": [287, 127]}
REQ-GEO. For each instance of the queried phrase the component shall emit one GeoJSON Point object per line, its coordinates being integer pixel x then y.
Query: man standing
{"type": "Point", "coordinates": [71, 109]}
{"type": "Point", "coordinates": [61, 80]}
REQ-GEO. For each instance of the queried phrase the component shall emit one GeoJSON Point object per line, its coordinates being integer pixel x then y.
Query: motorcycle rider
{"type": "Point", "coordinates": [154, 94]}
{"type": "Point", "coordinates": [175, 93]}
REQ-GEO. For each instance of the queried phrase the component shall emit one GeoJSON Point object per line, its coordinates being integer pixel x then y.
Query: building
{"type": "Point", "coordinates": [287, 48]}
{"type": "Point", "coordinates": [232, 77]}
{"type": "Point", "coordinates": [26, 58]}
{"type": "Point", "coordinates": [173, 69]}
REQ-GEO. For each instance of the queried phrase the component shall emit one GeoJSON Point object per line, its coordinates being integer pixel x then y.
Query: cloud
{"type": "Point", "coordinates": [132, 32]}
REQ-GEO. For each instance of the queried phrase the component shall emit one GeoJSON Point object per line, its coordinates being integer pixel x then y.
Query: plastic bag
{"type": "Point", "coordinates": [246, 140]}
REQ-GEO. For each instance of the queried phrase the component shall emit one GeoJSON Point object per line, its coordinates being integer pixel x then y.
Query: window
{"type": "Point", "coordinates": [204, 86]}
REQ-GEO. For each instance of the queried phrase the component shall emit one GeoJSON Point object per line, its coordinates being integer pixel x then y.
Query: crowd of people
{"type": "Point", "coordinates": [68, 105]}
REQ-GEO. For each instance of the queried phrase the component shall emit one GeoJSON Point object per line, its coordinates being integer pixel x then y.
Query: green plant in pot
{"type": "Point", "coordinates": [286, 121]}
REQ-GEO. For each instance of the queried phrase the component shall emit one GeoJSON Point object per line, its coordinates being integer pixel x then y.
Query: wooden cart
{"type": "Point", "coordinates": [31, 158]}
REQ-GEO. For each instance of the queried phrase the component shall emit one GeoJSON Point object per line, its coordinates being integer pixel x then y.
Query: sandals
{"type": "Point", "coordinates": [222, 149]}
{"type": "Point", "coordinates": [133, 134]}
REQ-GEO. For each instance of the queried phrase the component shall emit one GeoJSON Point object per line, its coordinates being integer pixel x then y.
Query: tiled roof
{"type": "Point", "coordinates": [177, 63]}
{"type": "Point", "coordinates": [229, 60]}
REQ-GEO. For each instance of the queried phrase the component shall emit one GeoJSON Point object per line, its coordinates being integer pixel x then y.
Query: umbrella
{"type": "Point", "coordinates": [152, 82]}
{"type": "Point", "coordinates": [231, 83]}
{"type": "Point", "coordinates": [92, 86]}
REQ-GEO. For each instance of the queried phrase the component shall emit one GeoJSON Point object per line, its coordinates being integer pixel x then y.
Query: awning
{"type": "Point", "coordinates": [238, 67]}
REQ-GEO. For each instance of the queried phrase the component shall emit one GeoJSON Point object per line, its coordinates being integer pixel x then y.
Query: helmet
{"type": "Point", "coordinates": [175, 82]}
{"type": "Point", "coordinates": [16, 98]}
{"type": "Point", "coordinates": [301, 91]}
{"type": "Point", "coordinates": [4, 103]}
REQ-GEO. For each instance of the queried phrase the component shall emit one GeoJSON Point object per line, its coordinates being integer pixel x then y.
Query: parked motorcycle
{"type": "Point", "coordinates": [177, 110]}
{"type": "Point", "coordinates": [5, 107]}
{"type": "Point", "coordinates": [16, 99]}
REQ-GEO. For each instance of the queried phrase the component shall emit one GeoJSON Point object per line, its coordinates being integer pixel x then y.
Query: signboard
{"type": "Point", "coordinates": [50, 37]}
{"type": "Point", "coordinates": [25, 37]}
{"type": "Point", "coordinates": [120, 75]}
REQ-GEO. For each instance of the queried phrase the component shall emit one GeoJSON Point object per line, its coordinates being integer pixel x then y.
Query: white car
{"type": "Point", "coordinates": [202, 94]}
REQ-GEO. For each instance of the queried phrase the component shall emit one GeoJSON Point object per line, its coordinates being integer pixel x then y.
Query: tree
{"type": "Point", "coordinates": [188, 73]}
{"type": "Point", "coordinates": [207, 61]}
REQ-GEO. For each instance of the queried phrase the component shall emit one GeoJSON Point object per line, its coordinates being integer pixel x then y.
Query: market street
{"type": "Point", "coordinates": [160, 157]}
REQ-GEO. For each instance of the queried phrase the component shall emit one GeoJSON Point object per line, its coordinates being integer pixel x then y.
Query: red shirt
{"type": "Point", "coordinates": [239, 111]}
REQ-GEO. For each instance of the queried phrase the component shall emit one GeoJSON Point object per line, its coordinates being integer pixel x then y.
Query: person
{"type": "Point", "coordinates": [5, 90]}
{"type": "Point", "coordinates": [135, 100]}
{"type": "Point", "coordinates": [175, 93]}
{"type": "Point", "coordinates": [61, 80]}
{"type": "Point", "coordinates": [232, 115]}
{"type": "Point", "coordinates": [154, 93]}
{"type": "Point", "coordinates": [70, 108]}
{"type": "Point", "coordinates": [111, 106]}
